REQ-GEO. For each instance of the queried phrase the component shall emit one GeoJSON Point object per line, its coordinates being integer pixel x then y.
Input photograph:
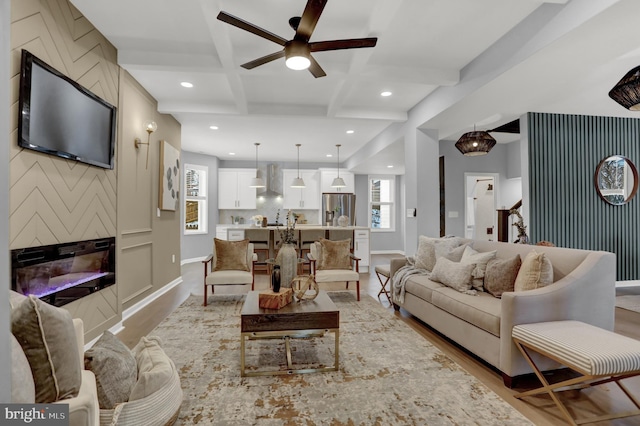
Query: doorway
{"type": "Point", "coordinates": [481, 197]}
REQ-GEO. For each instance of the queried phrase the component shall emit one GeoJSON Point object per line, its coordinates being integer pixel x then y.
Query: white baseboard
{"type": "Point", "coordinates": [192, 260]}
{"type": "Point", "coordinates": [630, 283]}
{"type": "Point", "coordinates": [119, 326]}
{"type": "Point", "coordinates": [388, 252]}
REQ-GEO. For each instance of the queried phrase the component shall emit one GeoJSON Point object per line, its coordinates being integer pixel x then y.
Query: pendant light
{"type": "Point", "coordinates": [256, 182]}
{"type": "Point", "coordinates": [475, 143]}
{"type": "Point", "coordinates": [627, 91]}
{"type": "Point", "coordinates": [298, 182]}
{"type": "Point", "coordinates": [338, 182]}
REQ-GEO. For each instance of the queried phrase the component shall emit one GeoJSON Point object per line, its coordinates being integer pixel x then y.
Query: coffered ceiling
{"type": "Point", "coordinates": [461, 62]}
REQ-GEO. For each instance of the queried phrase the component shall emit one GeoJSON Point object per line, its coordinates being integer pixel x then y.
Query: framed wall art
{"type": "Point", "coordinates": [169, 190]}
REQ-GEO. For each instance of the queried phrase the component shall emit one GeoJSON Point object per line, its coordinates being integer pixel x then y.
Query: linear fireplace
{"type": "Point", "coordinates": [61, 273]}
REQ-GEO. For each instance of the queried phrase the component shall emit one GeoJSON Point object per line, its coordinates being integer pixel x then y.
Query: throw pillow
{"type": "Point", "coordinates": [452, 274]}
{"type": "Point", "coordinates": [536, 271]}
{"type": "Point", "coordinates": [231, 255]}
{"type": "Point", "coordinates": [48, 339]}
{"type": "Point", "coordinates": [480, 259]}
{"type": "Point", "coordinates": [155, 368]}
{"type": "Point", "coordinates": [335, 254]}
{"type": "Point", "coordinates": [454, 255]}
{"type": "Point", "coordinates": [23, 390]}
{"type": "Point", "coordinates": [427, 254]}
{"type": "Point", "coordinates": [500, 275]}
{"type": "Point", "coordinates": [115, 369]}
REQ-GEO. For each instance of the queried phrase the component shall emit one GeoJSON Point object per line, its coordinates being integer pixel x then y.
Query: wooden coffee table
{"type": "Point", "coordinates": [310, 318]}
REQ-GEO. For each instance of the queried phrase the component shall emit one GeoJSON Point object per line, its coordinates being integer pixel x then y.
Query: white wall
{"type": "Point", "coordinates": [5, 338]}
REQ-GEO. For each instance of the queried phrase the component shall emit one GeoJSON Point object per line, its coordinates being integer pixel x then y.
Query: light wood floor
{"type": "Point", "coordinates": [540, 409]}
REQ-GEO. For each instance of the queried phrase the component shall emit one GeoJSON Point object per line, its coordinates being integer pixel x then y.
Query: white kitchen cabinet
{"type": "Point", "coordinates": [327, 177]}
{"type": "Point", "coordinates": [307, 198]}
{"type": "Point", "coordinates": [361, 248]}
{"type": "Point", "coordinates": [234, 191]}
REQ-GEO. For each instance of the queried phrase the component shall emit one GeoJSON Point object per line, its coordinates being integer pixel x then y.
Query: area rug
{"type": "Point", "coordinates": [388, 375]}
{"type": "Point", "coordinates": [629, 302]}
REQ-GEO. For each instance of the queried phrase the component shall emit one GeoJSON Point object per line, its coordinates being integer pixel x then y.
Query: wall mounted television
{"type": "Point", "coordinates": [60, 117]}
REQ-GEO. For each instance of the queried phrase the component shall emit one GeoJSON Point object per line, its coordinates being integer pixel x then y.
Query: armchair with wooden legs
{"type": "Point", "coordinates": [332, 261]}
{"type": "Point", "coordinates": [231, 263]}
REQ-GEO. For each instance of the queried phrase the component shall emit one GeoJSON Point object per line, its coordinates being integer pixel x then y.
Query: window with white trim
{"type": "Point", "coordinates": [195, 200]}
{"type": "Point", "coordinates": [382, 203]}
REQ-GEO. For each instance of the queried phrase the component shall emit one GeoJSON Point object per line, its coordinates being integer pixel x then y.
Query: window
{"type": "Point", "coordinates": [195, 200]}
{"type": "Point", "coordinates": [382, 203]}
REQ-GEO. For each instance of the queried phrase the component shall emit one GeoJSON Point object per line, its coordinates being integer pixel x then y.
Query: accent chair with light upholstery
{"type": "Point", "coordinates": [332, 261]}
{"type": "Point", "coordinates": [231, 263]}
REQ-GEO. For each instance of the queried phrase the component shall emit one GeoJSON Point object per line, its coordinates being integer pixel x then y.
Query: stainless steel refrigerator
{"type": "Point", "coordinates": [336, 204]}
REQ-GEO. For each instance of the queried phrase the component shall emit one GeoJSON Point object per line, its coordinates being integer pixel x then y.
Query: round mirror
{"type": "Point", "coordinates": [616, 180]}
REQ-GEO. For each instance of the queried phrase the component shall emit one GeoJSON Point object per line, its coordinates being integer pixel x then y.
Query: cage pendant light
{"type": "Point", "coordinates": [257, 181]}
{"type": "Point", "coordinates": [298, 182]}
{"type": "Point", "coordinates": [338, 182]}
{"type": "Point", "coordinates": [475, 143]}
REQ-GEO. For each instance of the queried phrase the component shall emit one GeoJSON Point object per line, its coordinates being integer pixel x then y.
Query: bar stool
{"type": "Point", "coordinates": [260, 240]}
{"type": "Point", "coordinates": [383, 271]}
{"type": "Point", "coordinates": [308, 237]}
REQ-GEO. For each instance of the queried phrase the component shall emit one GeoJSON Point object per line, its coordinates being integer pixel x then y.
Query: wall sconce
{"type": "Point", "coordinates": [150, 127]}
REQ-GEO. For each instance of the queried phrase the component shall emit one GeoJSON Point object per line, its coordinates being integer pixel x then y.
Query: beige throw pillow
{"type": "Point", "coordinates": [452, 274]}
{"type": "Point", "coordinates": [335, 254]}
{"type": "Point", "coordinates": [231, 255]}
{"type": "Point", "coordinates": [500, 275]}
{"type": "Point", "coordinates": [48, 339]}
{"type": "Point", "coordinates": [114, 367]}
{"type": "Point", "coordinates": [155, 368]}
{"type": "Point", "coordinates": [480, 259]}
{"type": "Point", "coordinates": [536, 271]}
{"type": "Point", "coordinates": [430, 249]}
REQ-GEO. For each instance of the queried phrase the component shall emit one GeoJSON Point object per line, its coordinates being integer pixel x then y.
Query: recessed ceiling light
{"type": "Point", "coordinates": [186, 84]}
{"type": "Point", "coordinates": [232, 153]}
{"type": "Point", "coordinates": [385, 93]}
{"type": "Point", "coordinates": [390, 166]}
{"type": "Point", "coordinates": [213, 127]}
{"type": "Point", "coordinates": [329, 155]}
{"type": "Point", "coordinates": [350, 132]}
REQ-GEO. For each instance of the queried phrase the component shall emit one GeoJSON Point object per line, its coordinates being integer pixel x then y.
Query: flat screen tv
{"type": "Point", "coordinates": [58, 116]}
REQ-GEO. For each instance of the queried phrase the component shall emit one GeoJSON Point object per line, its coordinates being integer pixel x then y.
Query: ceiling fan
{"type": "Point", "coordinates": [298, 50]}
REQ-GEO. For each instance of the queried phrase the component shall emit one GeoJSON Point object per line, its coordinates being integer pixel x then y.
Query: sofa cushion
{"type": "Point", "coordinates": [155, 368]}
{"type": "Point", "coordinates": [452, 274]}
{"type": "Point", "coordinates": [15, 298]}
{"type": "Point", "coordinates": [335, 254]}
{"type": "Point", "coordinates": [231, 255]}
{"type": "Point", "coordinates": [501, 274]}
{"type": "Point", "coordinates": [536, 271]}
{"type": "Point", "coordinates": [482, 310]}
{"type": "Point", "coordinates": [480, 259]}
{"type": "Point", "coordinates": [421, 286]}
{"type": "Point", "coordinates": [23, 390]}
{"type": "Point", "coordinates": [426, 255]}
{"type": "Point", "coordinates": [48, 338]}
{"type": "Point", "coordinates": [115, 369]}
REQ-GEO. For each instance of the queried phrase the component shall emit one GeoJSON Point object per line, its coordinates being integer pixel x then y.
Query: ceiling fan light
{"type": "Point", "coordinates": [256, 182]}
{"type": "Point", "coordinates": [298, 63]}
{"type": "Point", "coordinates": [627, 91]}
{"type": "Point", "coordinates": [298, 183]}
{"type": "Point", "coordinates": [297, 54]}
{"type": "Point", "coordinates": [475, 143]}
{"type": "Point", "coordinates": [338, 183]}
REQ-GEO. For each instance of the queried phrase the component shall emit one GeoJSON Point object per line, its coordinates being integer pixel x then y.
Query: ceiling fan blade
{"type": "Point", "coordinates": [309, 19]}
{"type": "Point", "coordinates": [315, 68]}
{"type": "Point", "coordinates": [263, 60]}
{"type": "Point", "coordinates": [354, 43]}
{"type": "Point", "coordinates": [247, 26]}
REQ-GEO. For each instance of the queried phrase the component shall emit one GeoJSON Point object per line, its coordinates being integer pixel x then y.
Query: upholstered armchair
{"type": "Point", "coordinates": [231, 263]}
{"type": "Point", "coordinates": [332, 261]}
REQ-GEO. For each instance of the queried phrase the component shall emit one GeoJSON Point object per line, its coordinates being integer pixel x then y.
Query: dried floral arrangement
{"type": "Point", "coordinates": [522, 228]}
{"type": "Point", "coordinates": [287, 235]}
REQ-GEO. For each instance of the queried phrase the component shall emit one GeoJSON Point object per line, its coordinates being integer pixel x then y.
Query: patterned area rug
{"type": "Point", "coordinates": [389, 374]}
{"type": "Point", "coordinates": [630, 303]}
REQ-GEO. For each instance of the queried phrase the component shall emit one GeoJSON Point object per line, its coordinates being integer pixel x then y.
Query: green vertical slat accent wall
{"type": "Point", "coordinates": [564, 151]}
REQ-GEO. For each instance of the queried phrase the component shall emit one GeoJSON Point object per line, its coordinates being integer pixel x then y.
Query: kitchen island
{"type": "Point", "coordinates": [233, 232]}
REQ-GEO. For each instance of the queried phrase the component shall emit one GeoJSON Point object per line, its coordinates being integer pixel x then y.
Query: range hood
{"type": "Point", "coordinates": [273, 181]}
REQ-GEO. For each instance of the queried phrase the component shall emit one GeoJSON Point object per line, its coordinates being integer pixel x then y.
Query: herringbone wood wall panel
{"type": "Point", "coordinates": [53, 200]}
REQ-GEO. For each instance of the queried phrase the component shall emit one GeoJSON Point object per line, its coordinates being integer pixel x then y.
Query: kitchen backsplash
{"type": "Point", "coordinates": [267, 206]}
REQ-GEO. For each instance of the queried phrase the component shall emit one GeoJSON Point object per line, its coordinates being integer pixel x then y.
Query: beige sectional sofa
{"type": "Point", "coordinates": [583, 289]}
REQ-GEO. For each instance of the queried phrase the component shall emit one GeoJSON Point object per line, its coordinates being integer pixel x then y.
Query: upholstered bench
{"type": "Point", "coordinates": [601, 356]}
